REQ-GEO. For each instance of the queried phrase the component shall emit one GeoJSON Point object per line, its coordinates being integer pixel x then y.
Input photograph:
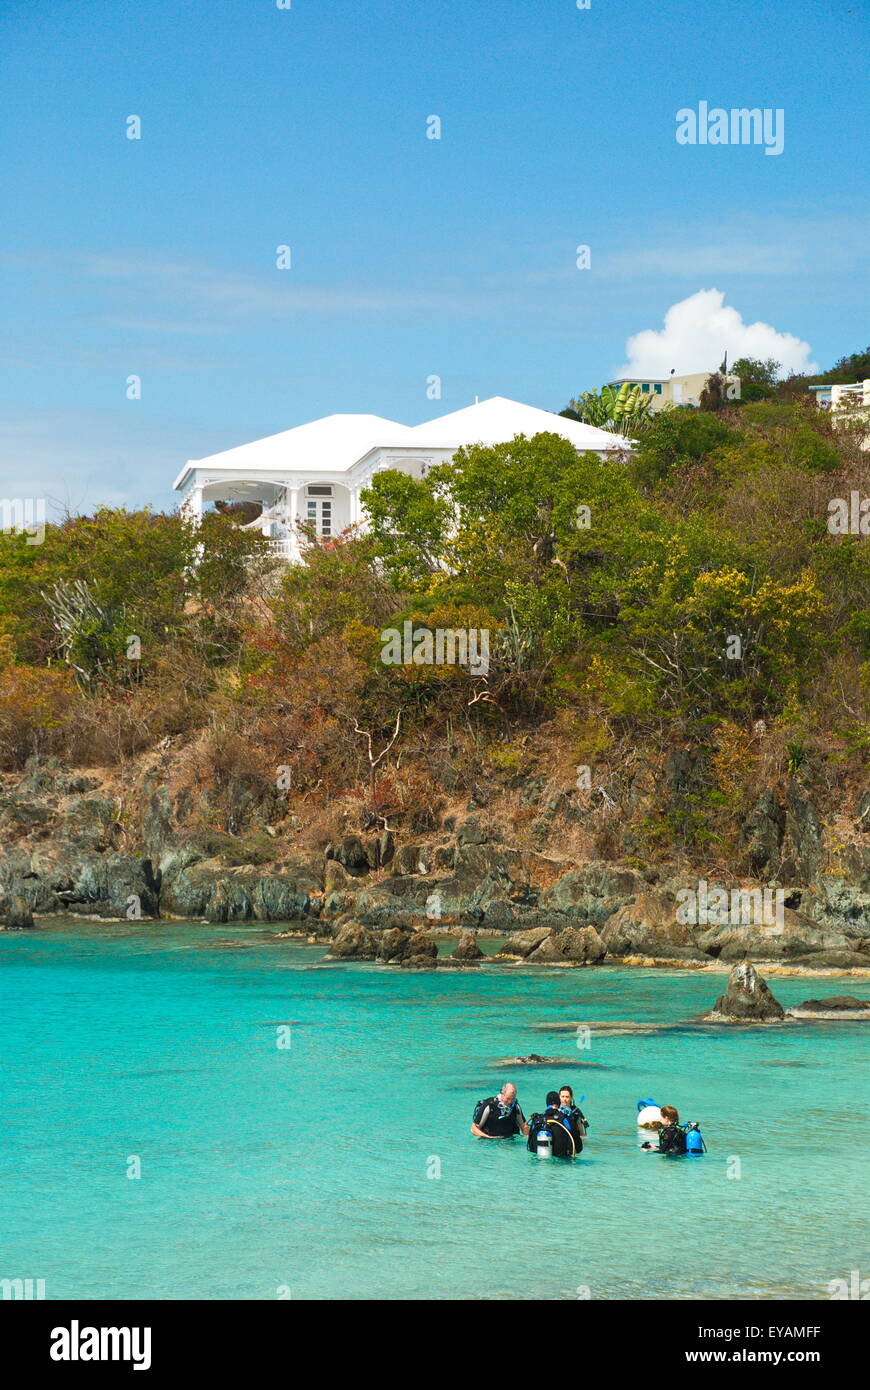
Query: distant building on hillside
{"type": "Point", "coordinates": [316, 473]}
{"type": "Point", "coordinates": [842, 399]}
{"type": "Point", "coordinates": [849, 405]}
{"type": "Point", "coordinates": [678, 390]}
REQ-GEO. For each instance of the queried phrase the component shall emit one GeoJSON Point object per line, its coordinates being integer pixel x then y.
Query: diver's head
{"type": "Point", "coordinates": [552, 1100]}
{"type": "Point", "coordinates": [670, 1115]}
{"type": "Point", "coordinates": [508, 1093]}
{"type": "Point", "coordinates": [566, 1095]}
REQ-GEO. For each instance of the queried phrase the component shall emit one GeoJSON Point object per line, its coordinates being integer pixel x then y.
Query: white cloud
{"type": "Point", "coordinates": [698, 331]}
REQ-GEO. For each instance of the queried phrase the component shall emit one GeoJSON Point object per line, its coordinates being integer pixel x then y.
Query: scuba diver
{"type": "Point", "coordinates": [672, 1138]}
{"type": "Point", "coordinates": [675, 1138]}
{"type": "Point", "coordinates": [554, 1134]}
{"type": "Point", "coordinates": [499, 1117]}
{"type": "Point", "coordinates": [567, 1106]}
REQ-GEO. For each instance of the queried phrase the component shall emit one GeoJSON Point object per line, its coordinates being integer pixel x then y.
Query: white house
{"type": "Point", "coordinates": [849, 406]}
{"type": "Point", "coordinates": [317, 471]}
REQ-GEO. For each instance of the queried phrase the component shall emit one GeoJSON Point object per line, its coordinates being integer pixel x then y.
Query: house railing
{"type": "Point", "coordinates": [284, 546]}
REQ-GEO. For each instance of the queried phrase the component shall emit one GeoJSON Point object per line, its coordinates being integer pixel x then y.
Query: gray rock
{"type": "Point", "coordinates": [590, 895]}
{"type": "Point", "coordinates": [470, 832]}
{"type": "Point", "coordinates": [277, 899]}
{"type": "Point", "coordinates": [836, 1004]}
{"type": "Point", "coordinates": [842, 903]}
{"type": "Point", "coordinates": [747, 999]}
{"type": "Point", "coordinates": [110, 885]}
{"type": "Point", "coordinates": [419, 962]}
{"type": "Point", "coordinates": [351, 855]}
{"type": "Point", "coordinates": [18, 914]}
{"type": "Point", "coordinates": [795, 939]}
{"type": "Point", "coordinates": [466, 947]}
{"type": "Point", "coordinates": [802, 849]}
{"type": "Point", "coordinates": [22, 818]}
{"type": "Point", "coordinates": [379, 906]}
{"type": "Point", "coordinates": [534, 1059]}
{"type": "Point", "coordinates": [89, 824]}
{"type": "Point", "coordinates": [522, 943]}
{"type": "Point", "coordinates": [335, 878]}
{"type": "Point", "coordinates": [157, 828]}
{"type": "Point", "coordinates": [762, 833]}
{"type": "Point", "coordinates": [353, 942]}
{"type": "Point", "coordinates": [229, 901]}
{"type": "Point", "coordinates": [393, 944]}
{"type": "Point", "coordinates": [572, 945]}
{"type": "Point", "coordinates": [422, 944]}
{"type": "Point", "coordinates": [410, 859]}
{"type": "Point", "coordinates": [834, 960]}
{"type": "Point", "coordinates": [648, 927]}
{"type": "Point", "coordinates": [444, 859]}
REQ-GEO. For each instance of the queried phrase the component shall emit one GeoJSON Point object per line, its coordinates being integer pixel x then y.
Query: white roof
{"type": "Point", "coordinates": [332, 445]}
{"type": "Point", "coordinates": [336, 442]}
{"type": "Point", "coordinates": [498, 420]}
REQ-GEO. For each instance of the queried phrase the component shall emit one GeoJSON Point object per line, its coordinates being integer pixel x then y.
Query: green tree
{"type": "Point", "coordinates": [410, 521]}
{"type": "Point", "coordinates": [627, 410]}
{"type": "Point", "coordinates": [676, 441]}
{"type": "Point", "coordinates": [757, 373]}
{"type": "Point", "coordinates": [335, 585]}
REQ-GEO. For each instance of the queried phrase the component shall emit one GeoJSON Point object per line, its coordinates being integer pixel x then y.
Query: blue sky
{"type": "Point", "coordinates": [411, 257]}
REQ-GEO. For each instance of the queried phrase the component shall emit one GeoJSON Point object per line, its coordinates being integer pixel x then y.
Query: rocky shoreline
{"type": "Point", "coordinates": [68, 849]}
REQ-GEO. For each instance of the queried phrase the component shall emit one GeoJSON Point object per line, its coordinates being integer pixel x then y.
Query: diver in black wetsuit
{"type": "Point", "coordinates": [672, 1138]}
{"type": "Point", "coordinates": [568, 1108]}
{"type": "Point", "coordinates": [499, 1117]}
{"type": "Point", "coordinates": [564, 1134]}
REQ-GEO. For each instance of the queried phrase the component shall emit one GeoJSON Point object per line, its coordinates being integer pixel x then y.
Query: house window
{"type": "Point", "coordinates": [658, 388]}
{"type": "Point", "coordinates": [645, 387]}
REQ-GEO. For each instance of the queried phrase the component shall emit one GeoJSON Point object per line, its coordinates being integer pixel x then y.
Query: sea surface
{"type": "Point", "coordinates": [300, 1129]}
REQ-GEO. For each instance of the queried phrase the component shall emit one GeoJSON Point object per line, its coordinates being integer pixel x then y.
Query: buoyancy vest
{"type": "Point", "coordinates": [498, 1124]}
{"type": "Point", "coordinates": [564, 1136]}
{"type": "Point", "coordinates": [672, 1140]}
{"type": "Point", "coordinates": [576, 1114]}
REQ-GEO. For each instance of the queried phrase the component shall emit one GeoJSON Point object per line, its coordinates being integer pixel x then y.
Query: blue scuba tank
{"type": "Point", "coordinates": [694, 1139]}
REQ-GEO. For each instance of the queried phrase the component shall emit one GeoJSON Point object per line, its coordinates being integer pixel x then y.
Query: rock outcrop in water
{"type": "Point", "coordinates": [571, 946]}
{"type": "Point", "coordinates": [534, 1059]}
{"type": "Point", "coordinates": [353, 941]}
{"type": "Point", "coordinates": [466, 948]}
{"type": "Point", "coordinates": [839, 1006]}
{"type": "Point", "coordinates": [747, 999]}
{"type": "Point", "coordinates": [393, 946]}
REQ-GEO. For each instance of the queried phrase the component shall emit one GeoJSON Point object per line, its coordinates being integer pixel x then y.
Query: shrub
{"type": "Point", "coordinates": [35, 709]}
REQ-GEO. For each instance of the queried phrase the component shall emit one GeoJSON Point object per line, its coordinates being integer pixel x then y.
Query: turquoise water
{"type": "Point", "coordinates": [306, 1170]}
